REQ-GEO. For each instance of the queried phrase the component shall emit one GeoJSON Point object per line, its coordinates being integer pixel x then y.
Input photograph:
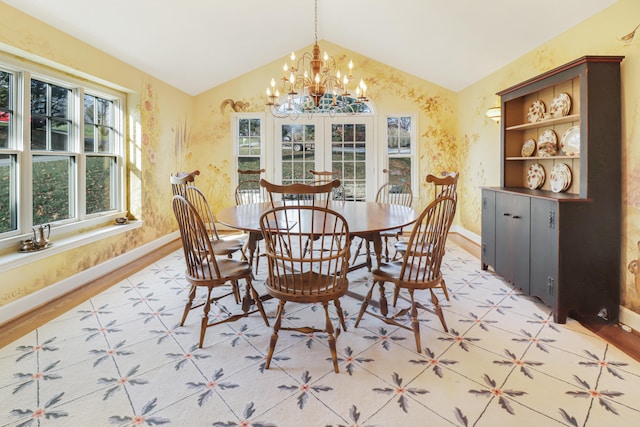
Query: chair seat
{"type": "Point", "coordinates": [228, 268]}
{"type": "Point", "coordinates": [226, 247]}
{"type": "Point", "coordinates": [313, 288]}
{"type": "Point", "coordinates": [390, 272]}
{"type": "Point", "coordinates": [391, 233]}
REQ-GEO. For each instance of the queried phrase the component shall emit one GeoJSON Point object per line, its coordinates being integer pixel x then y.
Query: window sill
{"type": "Point", "coordinates": [16, 259]}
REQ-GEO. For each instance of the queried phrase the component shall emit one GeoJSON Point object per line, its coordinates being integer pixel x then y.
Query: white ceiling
{"type": "Point", "coordinates": [195, 45]}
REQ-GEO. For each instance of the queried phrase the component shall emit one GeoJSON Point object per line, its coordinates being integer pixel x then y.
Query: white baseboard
{"type": "Point", "coordinates": [630, 318]}
{"type": "Point", "coordinates": [475, 238]}
{"type": "Point", "coordinates": [32, 301]}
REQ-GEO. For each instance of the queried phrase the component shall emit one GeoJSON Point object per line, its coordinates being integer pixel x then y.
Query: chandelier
{"type": "Point", "coordinates": [316, 85]}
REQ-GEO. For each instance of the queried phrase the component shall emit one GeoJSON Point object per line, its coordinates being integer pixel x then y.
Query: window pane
{"type": "Point", "coordinates": [59, 135]}
{"type": "Point", "coordinates": [38, 132]}
{"type": "Point", "coordinates": [89, 108]}
{"type": "Point", "coordinates": [100, 184]}
{"type": "Point", "coordinates": [89, 139]}
{"type": "Point", "coordinates": [399, 135]}
{"type": "Point", "coordinates": [403, 166]}
{"type": "Point", "coordinates": [38, 97]}
{"type": "Point", "coordinates": [8, 210]}
{"type": "Point", "coordinates": [52, 188]}
{"type": "Point", "coordinates": [6, 107]}
{"type": "Point", "coordinates": [5, 129]}
{"type": "Point", "coordinates": [104, 145]}
{"type": "Point", "coordinates": [59, 102]}
{"type": "Point", "coordinates": [103, 116]}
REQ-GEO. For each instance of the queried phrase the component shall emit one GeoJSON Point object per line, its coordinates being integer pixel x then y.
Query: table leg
{"type": "Point", "coordinates": [377, 247]}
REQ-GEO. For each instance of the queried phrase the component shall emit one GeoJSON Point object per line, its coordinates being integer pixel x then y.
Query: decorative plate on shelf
{"type": "Point", "coordinates": [535, 176]}
{"type": "Point", "coordinates": [560, 177]}
{"type": "Point", "coordinates": [547, 144]}
{"type": "Point", "coordinates": [570, 141]}
{"type": "Point", "coordinates": [560, 105]}
{"type": "Point", "coordinates": [528, 147]}
{"type": "Point", "coordinates": [536, 111]}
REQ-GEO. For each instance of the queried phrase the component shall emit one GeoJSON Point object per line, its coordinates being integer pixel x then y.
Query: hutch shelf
{"type": "Point", "coordinates": [556, 234]}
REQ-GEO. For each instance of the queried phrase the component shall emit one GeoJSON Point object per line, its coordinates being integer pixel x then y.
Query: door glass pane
{"type": "Point", "coordinates": [298, 152]}
{"type": "Point", "coordinates": [348, 158]}
{"type": "Point", "coordinates": [100, 184]}
{"type": "Point", "coordinates": [52, 188]}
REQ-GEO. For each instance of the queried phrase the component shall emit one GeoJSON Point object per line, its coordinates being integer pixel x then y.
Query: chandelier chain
{"type": "Point", "coordinates": [315, 21]}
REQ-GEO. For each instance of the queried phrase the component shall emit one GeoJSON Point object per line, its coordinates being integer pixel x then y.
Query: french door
{"type": "Point", "coordinates": [342, 144]}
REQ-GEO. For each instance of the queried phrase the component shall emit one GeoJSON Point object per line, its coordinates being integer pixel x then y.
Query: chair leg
{"type": "Point", "coordinates": [415, 324]}
{"type": "Point", "coordinates": [436, 304]}
{"type": "Point", "coordinates": [236, 291]}
{"type": "Point", "coordinates": [365, 304]}
{"type": "Point", "coordinates": [257, 300]}
{"type": "Point", "coordinates": [187, 307]}
{"type": "Point", "coordinates": [396, 294]}
{"type": "Point", "coordinates": [340, 314]}
{"type": "Point", "coordinates": [444, 290]}
{"type": "Point", "coordinates": [205, 316]}
{"type": "Point", "coordinates": [384, 307]}
{"type": "Point", "coordinates": [357, 252]}
{"type": "Point", "coordinates": [274, 335]}
{"type": "Point", "coordinates": [331, 336]}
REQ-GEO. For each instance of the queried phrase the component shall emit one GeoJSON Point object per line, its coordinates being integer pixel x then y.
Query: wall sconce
{"type": "Point", "coordinates": [494, 114]}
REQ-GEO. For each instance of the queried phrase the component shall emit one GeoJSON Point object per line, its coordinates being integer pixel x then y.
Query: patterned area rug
{"type": "Point", "coordinates": [120, 359]}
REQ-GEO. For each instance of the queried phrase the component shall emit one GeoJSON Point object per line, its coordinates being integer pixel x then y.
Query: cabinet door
{"type": "Point", "coordinates": [488, 255]}
{"type": "Point", "coordinates": [512, 239]}
{"type": "Point", "coordinates": [544, 250]}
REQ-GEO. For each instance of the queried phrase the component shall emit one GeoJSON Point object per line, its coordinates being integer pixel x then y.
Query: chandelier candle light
{"type": "Point", "coordinates": [315, 85]}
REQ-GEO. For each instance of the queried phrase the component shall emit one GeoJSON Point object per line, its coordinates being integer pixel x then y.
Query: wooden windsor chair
{"type": "Point", "coordinates": [182, 184]}
{"type": "Point", "coordinates": [419, 268]}
{"type": "Point", "coordinates": [208, 271]}
{"type": "Point", "coordinates": [395, 192]}
{"type": "Point", "coordinates": [300, 276]}
{"type": "Point", "coordinates": [444, 185]}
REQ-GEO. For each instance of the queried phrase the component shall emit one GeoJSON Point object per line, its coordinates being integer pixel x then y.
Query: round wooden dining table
{"type": "Point", "coordinates": [365, 219]}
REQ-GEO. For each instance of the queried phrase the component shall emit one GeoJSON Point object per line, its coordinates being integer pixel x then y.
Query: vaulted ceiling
{"type": "Point", "coordinates": [195, 45]}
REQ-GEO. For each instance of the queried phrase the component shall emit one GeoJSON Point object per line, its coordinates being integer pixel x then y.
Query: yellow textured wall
{"type": "Point", "coordinates": [480, 149]}
{"type": "Point", "coordinates": [155, 112]}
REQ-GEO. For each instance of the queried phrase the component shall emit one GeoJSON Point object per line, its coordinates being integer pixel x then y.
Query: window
{"type": "Point", "coordinates": [53, 163]}
{"type": "Point", "coordinates": [249, 143]}
{"type": "Point", "coordinates": [65, 136]}
{"type": "Point", "coordinates": [400, 146]}
{"type": "Point", "coordinates": [101, 161]}
{"type": "Point", "coordinates": [8, 159]}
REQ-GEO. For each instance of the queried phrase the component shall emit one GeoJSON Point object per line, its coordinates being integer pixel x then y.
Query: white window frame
{"type": "Point", "coordinates": [24, 72]}
{"type": "Point", "coordinates": [412, 155]}
{"type": "Point", "coordinates": [235, 118]}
